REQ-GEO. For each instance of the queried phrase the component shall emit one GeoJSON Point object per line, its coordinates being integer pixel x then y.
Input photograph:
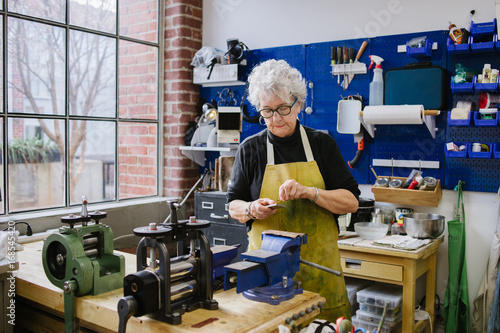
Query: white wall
{"type": "Point", "coordinates": [270, 23]}
{"type": "Point", "coordinates": [273, 23]}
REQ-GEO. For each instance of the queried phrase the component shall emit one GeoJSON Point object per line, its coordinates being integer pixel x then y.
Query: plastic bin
{"type": "Point", "coordinates": [495, 148]}
{"type": "Point", "coordinates": [485, 122]}
{"type": "Point", "coordinates": [483, 29]}
{"type": "Point", "coordinates": [492, 87]}
{"type": "Point", "coordinates": [420, 52]}
{"type": "Point", "coordinates": [462, 88]}
{"type": "Point", "coordinates": [479, 45]}
{"type": "Point", "coordinates": [379, 310]}
{"type": "Point", "coordinates": [375, 318]}
{"type": "Point", "coordinates": [387, 327]}
{"type": "Point", "coordinates": [354, 285]}
{"type": "Point", "coordinates": [380, 294]}
{"type": "Point", "coordinates": [478, 154]}
{"type": "Point", "coordinates": [457, 48]}
{"type": "Point", "coordinates": [456, 154]}
{"type": "Point", "coordinates": [460, 122]}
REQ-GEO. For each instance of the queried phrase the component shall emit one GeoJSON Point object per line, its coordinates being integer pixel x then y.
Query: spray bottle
{"type": "Point", "coordinates": [377, 85]}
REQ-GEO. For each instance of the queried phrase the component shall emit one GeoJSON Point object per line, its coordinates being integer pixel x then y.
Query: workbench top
{"type": "Point", "coordinates": [99, 313]}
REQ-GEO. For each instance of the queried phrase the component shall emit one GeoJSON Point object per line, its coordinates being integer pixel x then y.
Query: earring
{"type": "Point", "coordinates": [300, 116]}
{"type": "Point", "coordinates": [260, 121]}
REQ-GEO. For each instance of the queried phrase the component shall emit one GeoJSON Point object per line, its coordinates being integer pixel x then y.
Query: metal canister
{"type": "Point", "coordinates": [429, 184]}
{"type": "Point", "coordinates": [395, 183]}
{"type": "Point", "coordinates": [382, 182]}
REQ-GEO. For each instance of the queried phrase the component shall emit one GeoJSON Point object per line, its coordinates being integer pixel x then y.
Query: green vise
{"type": "Point", "coordinates": [80, 260]}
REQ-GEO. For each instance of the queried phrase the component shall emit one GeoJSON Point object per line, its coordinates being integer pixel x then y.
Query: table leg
{"type": "Point", "coordinates": [430, 288]}
{"type": "Point", "coordinates": [409, 284]}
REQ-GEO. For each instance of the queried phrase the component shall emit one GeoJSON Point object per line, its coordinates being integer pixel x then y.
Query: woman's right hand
{"type": "Point", "coordinates": [260, 210]}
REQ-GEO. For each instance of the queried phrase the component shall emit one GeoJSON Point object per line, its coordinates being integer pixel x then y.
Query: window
{"type": "Point", "coordinates": [80, 102]}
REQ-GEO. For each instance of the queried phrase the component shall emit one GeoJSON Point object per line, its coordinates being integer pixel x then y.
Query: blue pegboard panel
{"type": "Point", "coordinates": [478, 174]}
{"type": "Point", "coordinates": [401, 142]}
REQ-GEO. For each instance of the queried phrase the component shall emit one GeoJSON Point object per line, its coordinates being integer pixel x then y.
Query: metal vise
{"type": "Point", "coordinates": [266, 275]}
{"type": "Point", "coordinates": [169, 287]}
{"type": "Point", "coordinates": [80, 260]}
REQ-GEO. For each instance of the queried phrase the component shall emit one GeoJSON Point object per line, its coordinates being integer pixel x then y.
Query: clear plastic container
{"type": "Point", "coordinates": [375, 318]}
{"type": "Point", "coordinates": [378, 310]}
{"type": "Point", "coordinates": [387, 327]}
{"type": "Point", "coordinates": [380, 294]}
{"type": "Point", "coordinates": [354, 285]}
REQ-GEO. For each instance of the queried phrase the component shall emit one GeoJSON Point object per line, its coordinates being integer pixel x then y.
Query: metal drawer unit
{"type": "Point", "coordinates": [223, 230]}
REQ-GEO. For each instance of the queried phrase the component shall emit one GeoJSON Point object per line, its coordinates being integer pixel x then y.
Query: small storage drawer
{"type": "Point", "coordinates": [363, 268]}
{"type": "Point", "coordinates": [213, 206]}
{"type": "Point", "coordinates": [224, 234]}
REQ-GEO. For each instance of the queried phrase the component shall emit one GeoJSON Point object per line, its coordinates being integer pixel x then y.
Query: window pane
{"type": "Point", "coordinates": [44, 9]}
{"type": "Point", "coordinates": [97, 15]}
{"type": "Point", "coordinates": [139, 19]}
{"type": "Point", "coordinates": [35, 164]}
{"type": "Point", "coordinates": [92, 75]}
{"type": "Point", "coordinates": [36, 67]}
{"type": "Point", "coordinates": [92, 156]}
{"type": "Point", "coordinates": [1, 64]}
{"type": "Point", "coordinates": [137, 172]}
{"type": "Point", "coordinates": [2, 187]}
{"type": "Point", "coordinates": [138, 81]}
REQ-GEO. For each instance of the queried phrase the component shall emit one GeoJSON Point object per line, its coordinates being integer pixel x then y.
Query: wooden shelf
{"type": "Point", "coordinates": [408, 197]}
{"type": "Point", "coordinates": [197, 154]}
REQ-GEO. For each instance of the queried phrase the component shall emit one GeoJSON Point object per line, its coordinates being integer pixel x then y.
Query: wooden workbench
{"type": "Point", "coordinates": [377, 263]}
{"type": "Point", "coordinates": [43, 304]}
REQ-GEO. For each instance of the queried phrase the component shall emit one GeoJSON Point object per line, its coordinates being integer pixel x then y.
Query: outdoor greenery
{"type": "Point", "coordinates": [34, 150]}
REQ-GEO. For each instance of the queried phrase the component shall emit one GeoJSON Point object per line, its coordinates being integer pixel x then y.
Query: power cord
{"type": "Point", "coordinates": [423, 315]}
{"type": "Point", "coordinates": [29, 231]}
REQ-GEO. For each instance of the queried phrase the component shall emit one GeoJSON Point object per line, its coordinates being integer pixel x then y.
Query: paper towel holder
{"type": "Point", "coordinates": [428, 117]}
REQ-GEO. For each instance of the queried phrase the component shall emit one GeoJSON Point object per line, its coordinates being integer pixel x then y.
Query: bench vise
{"type": "Point", "coordinates": [266, 275]}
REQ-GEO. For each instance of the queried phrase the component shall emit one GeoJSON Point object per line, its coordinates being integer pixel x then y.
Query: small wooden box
{"type": "Point", "coordinates": [408, 197]}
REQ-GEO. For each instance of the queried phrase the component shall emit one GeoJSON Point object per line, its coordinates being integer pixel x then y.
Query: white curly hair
{"type": "Point", "coordinates": [276, 78]}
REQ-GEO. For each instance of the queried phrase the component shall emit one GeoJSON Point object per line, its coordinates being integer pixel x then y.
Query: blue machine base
{"type": "Point", "coordinates": [273, 295]}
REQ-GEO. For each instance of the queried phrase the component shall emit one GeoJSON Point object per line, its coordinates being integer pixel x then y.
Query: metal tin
{"type": "Point", "coordinates": [429, 184]}
{"type": "Point", "coordinates": [395, 183]}
{"type": "Point", "coordinates": [382, 182]}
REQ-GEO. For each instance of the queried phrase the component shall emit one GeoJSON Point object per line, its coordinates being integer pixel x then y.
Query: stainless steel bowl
{"type": "Point", "coordinates": [423, 225]}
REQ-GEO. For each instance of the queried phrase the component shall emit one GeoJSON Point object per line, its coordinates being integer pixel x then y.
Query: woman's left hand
{"type": "Point", "coordinates": [291, 189]}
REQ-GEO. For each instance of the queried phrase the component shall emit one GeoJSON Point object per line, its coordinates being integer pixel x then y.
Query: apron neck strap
{"type": "Point", "coordinates": [305, 144]}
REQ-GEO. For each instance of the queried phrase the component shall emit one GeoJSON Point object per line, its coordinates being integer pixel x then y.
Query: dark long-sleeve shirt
{"type": "Point", "coordinates": [251, 159]}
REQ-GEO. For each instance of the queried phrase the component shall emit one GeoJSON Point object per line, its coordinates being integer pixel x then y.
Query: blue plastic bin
{"type": "Point", "coordinates": [420, 52]}
{"type": "Point", "coordinates": [462, 88]}
{"type": "Point", "coordinates": [491, 87]}
{"type": "Point", "coordinates": [460, 122]}
{"type": "Point", "coordinates": [495, 148]}
{"type": "Point", "coordinates": [483, 29]}
{"type": "Point", "coordinates": [478, 154]}
{"type": "Point", "coordinates": [455, 154]}
{"type": "Point", "coordinates": [458, 48]}
{"type": "Point", "coordinates": [485, 122]}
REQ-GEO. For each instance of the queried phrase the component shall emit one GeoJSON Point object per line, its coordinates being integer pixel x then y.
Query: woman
{"type": "Point", "coordinates": [300, 167]}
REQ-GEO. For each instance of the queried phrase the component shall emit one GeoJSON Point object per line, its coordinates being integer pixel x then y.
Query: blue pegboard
{"type": "Point", "coordinates": [408, 142]}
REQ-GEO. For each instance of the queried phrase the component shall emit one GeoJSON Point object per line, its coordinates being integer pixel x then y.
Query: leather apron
{"type": "Point", "coordinates": [303, 216]}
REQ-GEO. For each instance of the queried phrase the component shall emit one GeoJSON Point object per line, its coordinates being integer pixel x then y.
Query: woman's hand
{"type": "Point", "coordinates": [260, 210]}
{"type": "Point", "coordinates": [291, 189]}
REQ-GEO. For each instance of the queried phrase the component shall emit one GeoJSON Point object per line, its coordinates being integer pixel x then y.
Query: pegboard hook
{"type": "Point", "coordinates": [392, 166]}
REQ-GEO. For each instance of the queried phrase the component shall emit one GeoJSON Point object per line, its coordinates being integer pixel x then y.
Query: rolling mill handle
{"type": "Point", "coordinates": [323, 268]}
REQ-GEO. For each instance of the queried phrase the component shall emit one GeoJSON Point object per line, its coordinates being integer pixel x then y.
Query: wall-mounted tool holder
{"type": "Point", "coordinates": [346, 70]}
{"type": "Point", "coordinates": [398, 115]}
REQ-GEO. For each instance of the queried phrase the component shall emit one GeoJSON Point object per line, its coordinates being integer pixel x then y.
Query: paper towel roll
{"type": "Point", "coordinates": [393, 114]}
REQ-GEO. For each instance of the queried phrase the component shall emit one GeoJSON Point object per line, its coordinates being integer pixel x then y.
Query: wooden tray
{"type": "Point", "coordinates": [408, 197]}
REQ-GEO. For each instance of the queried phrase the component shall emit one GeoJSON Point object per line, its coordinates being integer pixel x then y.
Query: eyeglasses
{"type": "Point", "coordinates": [282, 110]}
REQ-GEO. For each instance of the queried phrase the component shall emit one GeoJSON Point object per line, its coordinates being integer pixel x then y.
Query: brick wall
{"type": "Point", "coordinates": [183, 34]}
